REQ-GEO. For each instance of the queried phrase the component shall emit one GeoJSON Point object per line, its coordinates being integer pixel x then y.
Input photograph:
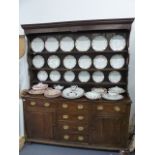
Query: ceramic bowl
{"type": "Point", "coordinates": [92, 95]}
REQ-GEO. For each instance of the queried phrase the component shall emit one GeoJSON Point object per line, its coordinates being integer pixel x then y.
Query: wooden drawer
{"type": "Point", "coordinates": [83, 118]}
{"type": "Point", "coordinates": [72, 128]}
{"type": "Point", "coordinates": [73, 107]}
{"type": "Point", "coordinates": [67, 137]}
{"type": "Point", "coordinates": [110, 108]}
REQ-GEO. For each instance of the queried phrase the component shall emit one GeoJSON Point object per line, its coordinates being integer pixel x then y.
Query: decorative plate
{"type": "Point", "coordinates": [37, 45]}
{"type": "Point", "coordinates": [98, 76]}
{"type": "Point", "coordinates": [67, 44]}
{"type": "Point", "coordinates": [42, 75]}
{"type": "Point", "coordinates": [99, 43]}
{"type": "Point", "coordinates": [69, 62]}
{"type": "Point", "coordinates": [69, 93]}
{"type": "Point", "coordinates": [51, 44]}
{"type": "Point", "coordinates": [117, 43]}
{"type": "Point", "coordinates": [92, 95]}
{"type": "Point", "coordinates": [100, 62]}
{"type": "Point", "coordinates": [117, 89]}
{"type": "Point", "coordinates": [38, 61]}
{"type": "Point", "coordinates": [117, 61]}
{"type": "Point", "coordinates": [53, 61]}
{"type": "Point", "coordinates": [82, 43]}
{"type": "Point", "coordinates": [69, 76]}
{"type": "Point", "coordinates": [55, 76]}
{"type": "Point", "coordinates": [39, 86]}
{"type": "Point", "coordinates": [85, 62]}
{"type": "Point", "coordinates": [115, 76]}
{"type": "Point", "coordinates": [84, 76]}
{"type": "Point", "coordinates": [112, 97]}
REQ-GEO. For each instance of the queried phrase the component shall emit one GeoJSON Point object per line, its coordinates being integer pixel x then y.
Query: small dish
{"type": "Point", "coordinates": [85, 62]}
{"type": "Point", "coordinates": [117, 89]}
{"type": "Point", "coordinates": [117, 43]}
{"type": "Point", "coordinates": [67, 44]}
{"type": "Point", "coordinates": [98, 76]}
{"type": "Point", "coordinates": [84, 76]}
{"type": "Point", "coordinates": [99, 43]}
{"type": "Point", "coordinates": [53, 61]}
{"type": "Point", "coordinates": [69, 76]}
{"type": "Point", "coordinates": [69, 62]}
{"type": "Point", "coordinates": [55, 76]}
{"type": "Point", "coordinates": [100, 62]}
{"type": "Point", "coordinates": [42, 75]}
{"type": "Point", "coordinates": [51, 44]}
{"type": "Point", "coordinates": [82, 44]}
{"type": "Point", "coordinates": [99, 90]}
{"type": "Point", "coordinates": [117, 61]}
{"type": "Point", "coordinates": [37, 45]}
{"type": "Point", "coordinates": [38, 61]}
{"type": "Point", "coordinates": [59, 87]}
{"type": "Point", "coordinates": [92, 95]}
{"type": "Point", "coordinates": [115, 76]}
{"type": "Point", "coordinates": [112, 97]}
{"type": "Point", "coordinates": [40, 86]}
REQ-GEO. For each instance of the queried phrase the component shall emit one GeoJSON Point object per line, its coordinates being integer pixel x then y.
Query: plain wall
{"type": "Point", "coordinates": [44, 11]}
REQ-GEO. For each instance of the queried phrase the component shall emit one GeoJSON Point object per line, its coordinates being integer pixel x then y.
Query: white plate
{"type": "Point", "coordinates": [98, 76]}
{"type": "Point", "coordinates": [112, 97]}
{"type": "Point", "coordinates": [117, 90]}
{"type": "Point", "coordinates": [69, 76]}
{"type": "Point", "coordinates": [117, 43]}
{"type": "Point", "coordinates": [42, 75]}
{"type": "Point", "coordinates": [72, 94]}
{"type": "Point", "coordinates": [51, 44]}
{"type": "Point", "coordinates": [38, 61]}
{"type": "Point", "coordinates": [37, 45]}
{"type": "Point", "coordinates": [84, 76]}
{"type": "Point", "coordinates": [117, 61]}
{"type": "Point", "coordinates": [67, 44]}
{"type": "Point", "coordinates": [85, 62]}
{"type": "Point", "coordinates": [114, 76]}
{"type": "Point", "coordinates": [69, 62]}
{"type": "Point", "coordinates": [55, 76]}
{"type": "Point", "coordinates": [53, 61]}
{"type": "Point", "coordinates": [100, 62]}
{"type": "Point", "coordinates": [99, 43]}
{"type": "Point", "coordinates": [82, 43]}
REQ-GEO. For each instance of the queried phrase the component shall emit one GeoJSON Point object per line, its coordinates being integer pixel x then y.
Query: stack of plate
{"type": "Point", "coordinates": [52, 93]}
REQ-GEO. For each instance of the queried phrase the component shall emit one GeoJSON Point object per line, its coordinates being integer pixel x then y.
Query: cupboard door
{"type": "Point", "coordinates": [39, 125]}
{"type": "Point", "coordinates": [110, 131]}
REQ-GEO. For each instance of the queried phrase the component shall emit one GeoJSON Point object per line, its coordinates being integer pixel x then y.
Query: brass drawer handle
{"type": "Point", "coordinates": [80, 106]}
{"type": "Point", "coordinates": [65, 127]}
{"type": "Point", "coordinates": [80, 117]}
{"type": "Point", "coordinates": [46, 104]}
{"type": "Point", "coordinates": [100, 107]}
{"type": "Point", "coordinates": [80, 138]}
{"type": "Point", "coordinates": [65, 116]}
{"type": "Point", "coordinates": [117, 108]}
{"type": "Point", "coordinates": [64, 105]}
{"type": "Point", "coordinates": [33, 103]}
{"type": "Point", "coordinates": [80, 128]}
{"type": "Point", "coordinates": [66, 137]}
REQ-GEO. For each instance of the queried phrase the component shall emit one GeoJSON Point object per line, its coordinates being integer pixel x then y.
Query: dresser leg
{"type": "Point", "coordinates": [124, 152]}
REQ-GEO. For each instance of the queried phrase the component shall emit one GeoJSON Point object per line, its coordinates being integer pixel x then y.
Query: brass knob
{"type": "Point", "coordinates": [80, 117]}
{"type": "Point", "coordinates": [64, 105]}
{"type": "Point", "coordinates": [65, 116]}
{"type": "Point", "coordinates": [100, 107]}
{"type": "Point", "coordinates": [80, 138]}
{"type": "Point", "coordinates": [80, 128]}
{"type": "Point", "coordinates": [46, 104]}
{"type": "Point", "coordinates": [66, 137]}
{"type": "Point", "coordinates": [33, 103]}
{"type": "Point", "coordinates": [80, 106]}
{"type": "Point", "coordinates": [117, 108]}
{"type": "Point", "coordinates": [65, 127]}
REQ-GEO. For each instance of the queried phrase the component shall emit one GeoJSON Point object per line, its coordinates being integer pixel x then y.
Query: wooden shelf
{"type": "Point", "coordinates": [77, 69]}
